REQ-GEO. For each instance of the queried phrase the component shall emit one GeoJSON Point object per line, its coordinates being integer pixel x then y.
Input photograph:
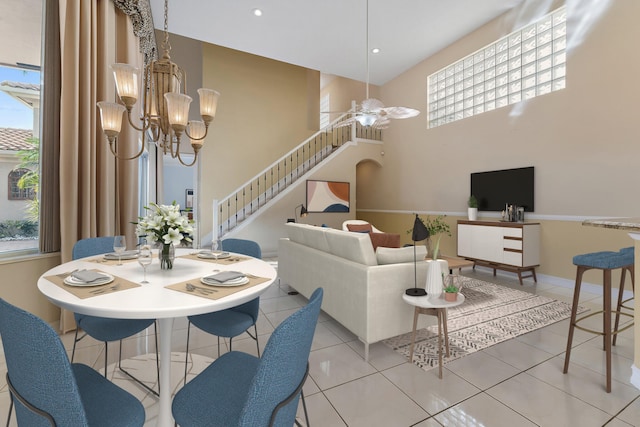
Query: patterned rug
{"type": "Point", "coordinates": [490, 314]}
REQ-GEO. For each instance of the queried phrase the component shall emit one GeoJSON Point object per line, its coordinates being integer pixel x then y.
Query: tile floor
{"type": "Point", "coordinates": [515, 383]}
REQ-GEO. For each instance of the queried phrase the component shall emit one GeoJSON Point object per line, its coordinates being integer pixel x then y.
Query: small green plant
{"type": "Point", "coordinates": [451, 289]}
{"type": "Point", "coordinates": [472, 202]}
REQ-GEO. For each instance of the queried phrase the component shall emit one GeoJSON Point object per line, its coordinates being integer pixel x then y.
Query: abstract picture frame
{"type": "Point", "coordinates": [328, 196]}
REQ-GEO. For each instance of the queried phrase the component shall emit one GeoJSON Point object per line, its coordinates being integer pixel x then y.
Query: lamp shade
{"type": "Point", "coordinates": [197, 132]}
{"type": "Point", "coordinates": [111, 117]}
{"type": "Point", "coordinates": [420, 231]}
{"type": "Point", "coordinates": [126, 77]}
{"type": "Point", "coordinates": [178, 109]}
{"type": "Point", "coordinates": [208, 103]}
{"type": "Point", "coordinates": [366, 119]}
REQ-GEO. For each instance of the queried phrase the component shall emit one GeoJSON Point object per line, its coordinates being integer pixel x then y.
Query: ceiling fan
{"type": "Point", "coordinates": [371, 112]}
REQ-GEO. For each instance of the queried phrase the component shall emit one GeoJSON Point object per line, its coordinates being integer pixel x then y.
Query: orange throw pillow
{"type": "Point", "coordinates": [360, 228]}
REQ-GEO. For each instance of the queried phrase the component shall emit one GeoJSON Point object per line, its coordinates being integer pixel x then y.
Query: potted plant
{"type": "Point", "coordinates": [472, 210]}
{"type": "Point", "coordinates": [451, 293]}
{"type": "Point", "coordinates": [436, 227]}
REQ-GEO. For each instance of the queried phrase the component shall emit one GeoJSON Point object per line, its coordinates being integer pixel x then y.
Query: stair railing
{"type": "Point", "coordinates": [274, 179]}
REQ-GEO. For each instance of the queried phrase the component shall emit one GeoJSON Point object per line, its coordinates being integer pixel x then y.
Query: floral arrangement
{"type": "Point", "coordinates": [165, 224]}
{"type": "Point", "coordinates": [435, 226]}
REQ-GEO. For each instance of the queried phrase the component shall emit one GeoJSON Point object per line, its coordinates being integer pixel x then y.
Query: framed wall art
{"type": "Point", "coordinates": [327, 196]}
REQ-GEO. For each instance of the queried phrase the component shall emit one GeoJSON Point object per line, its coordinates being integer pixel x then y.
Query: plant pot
{"type": "Point", "coordinates": [451, 296]}
{"type": "Point", "coordinates": [472, 213]}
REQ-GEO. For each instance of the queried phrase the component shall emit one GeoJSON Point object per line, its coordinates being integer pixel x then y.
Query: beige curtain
{"type": "Point", "coordinates": [98, 194]}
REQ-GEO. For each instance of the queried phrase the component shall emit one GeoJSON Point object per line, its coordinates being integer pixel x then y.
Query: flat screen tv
{"type": "Point", "coordinates": [495, 189]}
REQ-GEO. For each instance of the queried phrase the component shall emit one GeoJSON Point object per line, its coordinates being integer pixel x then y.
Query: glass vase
{"type": "Point", "coordinates": [166, 254]}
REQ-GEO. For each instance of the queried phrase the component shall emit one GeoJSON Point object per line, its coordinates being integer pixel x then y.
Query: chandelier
{"type": "Point", "coordinates": [165, 105]}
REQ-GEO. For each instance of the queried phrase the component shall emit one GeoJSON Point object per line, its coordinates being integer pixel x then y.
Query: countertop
{"type": "Point", "coordinates": [630, 224]}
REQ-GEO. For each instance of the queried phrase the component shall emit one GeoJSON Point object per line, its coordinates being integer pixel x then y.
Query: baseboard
{"type": "Point", "coordinates": [562, 282]}
{"type": "Point", "coordinates": [635, 376]}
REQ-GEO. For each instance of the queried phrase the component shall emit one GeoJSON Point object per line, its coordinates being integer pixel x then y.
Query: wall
{"type": "Point", "coordinates": [19, 284]}
{"type": "Point", "coordinates": [266, 108]}
{"type": "Point", "coordinates": [581, 140]}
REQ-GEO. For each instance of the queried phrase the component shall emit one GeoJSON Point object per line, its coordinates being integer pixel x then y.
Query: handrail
{"type": "Point", "coordinates": [275, 178]}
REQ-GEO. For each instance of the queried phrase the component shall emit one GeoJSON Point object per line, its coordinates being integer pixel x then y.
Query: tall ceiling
{"type": "Point", "coordinates": [331, 35]}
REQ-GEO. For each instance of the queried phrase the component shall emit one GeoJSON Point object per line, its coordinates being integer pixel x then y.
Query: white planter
{"type": "Point", "coordinates": [472, 213]}
{"type": "Point", "coordinates": [434, 283]}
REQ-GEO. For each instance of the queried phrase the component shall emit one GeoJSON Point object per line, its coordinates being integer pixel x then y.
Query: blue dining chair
{"type": "Point", "coordinates": [239, 389]}
{"type": "Point", "coordinates": [47, 389]}
{"type": "Point", "coordinates": [233, 321]}
{"type": "Point", "coordinates": [105, 329]}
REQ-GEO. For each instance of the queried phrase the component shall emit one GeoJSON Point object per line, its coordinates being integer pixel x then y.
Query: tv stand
{"type": "Point", "coordinates": [508, 246]}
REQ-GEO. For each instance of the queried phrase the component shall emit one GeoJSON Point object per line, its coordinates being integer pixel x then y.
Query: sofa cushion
{"type": "Point", "coordinates": [361, 228]}
{"type": "Point", "coordinates": [399, 255]}
{"type": "Point", "coordinates": [308, 235]}
{"type": "Point", "coordinates": [355, 247]}
{"type": "Point", "coordinates": [388, 240]}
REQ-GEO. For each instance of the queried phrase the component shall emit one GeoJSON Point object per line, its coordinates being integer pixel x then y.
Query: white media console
{"type": "Point", "coordinates": [509, 246]}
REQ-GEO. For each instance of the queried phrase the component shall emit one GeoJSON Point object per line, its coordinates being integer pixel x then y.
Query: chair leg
{"type": "Point", "coordinates": [304, 408]}
{"type": "Point", "coordinates": [607, 325]}
{"type": "Point", "coordinates": [10, 410]}
{"type": "Point", "coordinates": [619, 305]}
{"type": "Point", "coordinates": [156, 393]}
{"type": "Point", "coordinates": [75, 341]}
{"type": "Point", "coordinates": [218, 347]}
{"type": "Point", "coordinates": [255, 337]}
{"type": "Point", "coordinates": [574, 310]}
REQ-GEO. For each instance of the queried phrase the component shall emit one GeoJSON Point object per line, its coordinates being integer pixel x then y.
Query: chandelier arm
{"type": "Point", "coordinates": [117, 156]}
{"type": "Point", "coordinates": [195, 158]}
{"type": "Point", "coordinates": [186, 131]}
{"type": "Point", "coordinates": [146, 122]}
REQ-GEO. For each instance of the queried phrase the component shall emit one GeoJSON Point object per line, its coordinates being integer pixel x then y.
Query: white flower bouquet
{"type": "Point", "coordinates": [165, 225]}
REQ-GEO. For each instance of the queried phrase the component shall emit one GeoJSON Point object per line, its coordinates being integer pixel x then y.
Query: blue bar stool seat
{"type": "Point", "coordinates": [605, 261]}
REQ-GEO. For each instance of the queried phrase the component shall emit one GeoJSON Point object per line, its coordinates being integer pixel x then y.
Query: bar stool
{"type": "Point", "coordinates": [605, 261]}
{"type": "Point", "coordinates": [621, 304]}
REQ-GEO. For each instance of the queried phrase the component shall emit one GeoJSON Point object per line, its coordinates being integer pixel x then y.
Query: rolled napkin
{"type": "Point", "coordinates": [224, 276]}
{"type": "Point", "coordinates": [87, 276]}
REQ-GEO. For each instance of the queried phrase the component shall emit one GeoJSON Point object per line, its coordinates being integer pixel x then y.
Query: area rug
{"type": "Point", "coordinates": [490, 315]}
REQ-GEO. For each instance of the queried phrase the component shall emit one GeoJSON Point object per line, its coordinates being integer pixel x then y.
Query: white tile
{"type": "Point", "coordinates": [320, 412]}
{"type": "Point", "coordinates": [337, 365]}
{"type": "Point", "coordinates": [427, 389]}
{"type": "Point", "coordinates": [518, 354]}
{"type": "Point", "coordinates": [631, 413]}
{"type": "Point", "coordinates": [586, 385]}
{"type": "Point", "coordinates": [545, 405]}
{"type": "Point", "coordinates": [481, 369]}
{"type": "Point", "coordinates": [482, 410]}
{"type": "Point", "coordinates": [374, 401]}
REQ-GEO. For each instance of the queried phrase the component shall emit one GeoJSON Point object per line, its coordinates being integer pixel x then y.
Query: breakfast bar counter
{"type": "Point", "coordinates": [632, 225]}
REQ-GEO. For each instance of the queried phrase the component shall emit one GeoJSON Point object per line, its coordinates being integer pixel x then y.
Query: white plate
{"type": "Point", "coordinates": [235, 282]}
{"type": "Point", "coordinates": [71, 281]}
{"type": "Point", "coordinates": [125, 255]}
{"type": "Point", "coordinates": [214, 255]}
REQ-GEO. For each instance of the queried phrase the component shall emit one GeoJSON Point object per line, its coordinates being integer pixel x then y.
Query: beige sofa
{"type": "Point", "coordinates": [362, 288]}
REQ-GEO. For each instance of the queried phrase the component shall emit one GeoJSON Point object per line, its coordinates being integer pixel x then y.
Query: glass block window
{"type": "Point", "coordinates": [524, 64]}
{"type": "Point", "coordinates": [15, 192]}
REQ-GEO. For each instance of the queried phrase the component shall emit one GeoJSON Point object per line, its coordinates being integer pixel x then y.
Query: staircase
{"type": "Point", "coordinates": [262, 189]}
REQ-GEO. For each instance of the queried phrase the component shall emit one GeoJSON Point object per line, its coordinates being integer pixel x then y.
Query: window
{"type": "Point", "coordinates": [520, 66]}
{"type": "Point", "coordinates": [325, 105]}
{"type": "Point", "coordinates": [15, 192]}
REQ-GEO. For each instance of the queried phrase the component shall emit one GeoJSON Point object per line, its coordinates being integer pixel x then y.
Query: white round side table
{"type": "Point", "coordinates": [434, 306]}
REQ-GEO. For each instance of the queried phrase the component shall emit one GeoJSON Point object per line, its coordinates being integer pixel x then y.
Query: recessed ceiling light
{"type": "Point", "coordinates": [375, 50]}
{"type": "Point", "coordinates": [257, 12]}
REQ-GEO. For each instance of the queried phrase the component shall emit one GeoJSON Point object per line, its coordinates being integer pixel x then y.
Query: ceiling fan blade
{"type": "Point", "coordinates": [372, 105]}
{"type": "Point", "coordinates": [346, 122]}
{"type": "Point", "coordinates": [381, 123]}
{"type": "Point", "coordinates": [399, 112]}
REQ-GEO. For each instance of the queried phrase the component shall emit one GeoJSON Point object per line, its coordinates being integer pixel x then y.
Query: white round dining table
{"type": "Point", "coordinates": [155, 301]}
